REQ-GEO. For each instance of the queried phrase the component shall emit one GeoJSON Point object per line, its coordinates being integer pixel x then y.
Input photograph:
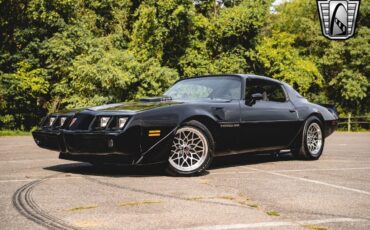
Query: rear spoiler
{"type": "Point", "coordinates": [331, 108]}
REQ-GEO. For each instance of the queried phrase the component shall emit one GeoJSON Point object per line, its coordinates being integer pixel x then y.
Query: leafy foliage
{"type": "Point", "coordinates": [279, 59]}
{"type": "Point", "coordinates": [57, 54]}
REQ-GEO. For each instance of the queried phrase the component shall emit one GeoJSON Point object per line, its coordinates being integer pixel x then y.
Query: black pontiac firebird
{"type": "Point", "coordinates": [195, 120]}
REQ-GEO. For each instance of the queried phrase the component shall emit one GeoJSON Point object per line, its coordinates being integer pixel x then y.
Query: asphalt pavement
{"type": "Point", "coordinates": [40, 191]}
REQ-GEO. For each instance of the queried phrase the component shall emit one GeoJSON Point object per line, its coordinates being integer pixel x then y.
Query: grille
{"type": "Point", "coordinates": [56, 122]}
{"type": "Point", "coordinates": [81, 122]}
{"type": "Point", "coordinates": [112, 124]}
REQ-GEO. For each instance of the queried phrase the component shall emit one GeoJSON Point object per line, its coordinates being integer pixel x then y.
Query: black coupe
{"type": "Point", "coordinates": [195, 120]}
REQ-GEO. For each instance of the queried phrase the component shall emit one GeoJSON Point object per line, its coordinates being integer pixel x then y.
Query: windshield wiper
{"type": "Point", "coordinates": [166, 98]}
{"type": "Point", "coordinates": [156, 99]}
{"type": "Point", "coordinates": [220, 99]}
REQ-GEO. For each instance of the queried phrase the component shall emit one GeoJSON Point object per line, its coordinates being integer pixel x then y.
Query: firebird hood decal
{"type": "Point", "coordinates": [133, 106]}
{"type": "Point", "coordinates": [128, 107]}
{"type": "Point", "coordinates": [103, 107]}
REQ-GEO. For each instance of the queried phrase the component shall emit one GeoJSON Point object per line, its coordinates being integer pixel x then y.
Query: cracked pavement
{"type": "Point", "coordinates": [40, 191]}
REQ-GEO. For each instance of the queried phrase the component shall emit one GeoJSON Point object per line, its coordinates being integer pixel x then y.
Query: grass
{"type": "Point", "coordinates": [314, 227]}
{"type": "Point", "coordinates": [273, 213]}
{"type": "Point", "coordinates": [82, 208]}
{"type": "Point", "coordinates": [138, 203]}
{"type": "Point", "coordinates": [227, 197]}
{"type": "Point", "coordinates": [196, 198]}
{"type": "Point", "coordinates": [6, 133]}
{"type": "Point", "coordinates": [253, 205]}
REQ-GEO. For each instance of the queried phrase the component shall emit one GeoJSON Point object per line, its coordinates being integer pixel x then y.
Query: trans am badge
{"type": "Point", "coordinates": [338, 18]}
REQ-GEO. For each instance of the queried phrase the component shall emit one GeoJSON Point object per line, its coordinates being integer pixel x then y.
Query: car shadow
{"type": "Point", "coordinates": [156, 170]}
{"type": "Point", "coordinates": [249, 159]}
{"type": "Point", "coordinates": [109, 170]}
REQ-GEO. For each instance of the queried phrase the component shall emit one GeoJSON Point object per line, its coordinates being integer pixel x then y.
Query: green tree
{"type": "Point", "coordinates": [22, 96]}
{"type": "Point", "coordinates": [57, 54]}
{"type": "Point", "coordinates": [343, 65]}
{"type": "Point", "coordinates": [276, 57]}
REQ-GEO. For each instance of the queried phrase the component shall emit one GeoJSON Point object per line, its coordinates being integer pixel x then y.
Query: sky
{"type": "Point", "coordinates": [277, 2]}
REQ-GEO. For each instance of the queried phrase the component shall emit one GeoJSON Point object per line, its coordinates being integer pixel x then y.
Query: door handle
{"type": "Point", "coordinates": [292, 110]}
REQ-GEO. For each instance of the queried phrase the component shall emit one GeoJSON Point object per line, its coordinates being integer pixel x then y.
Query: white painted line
{"type": "Point", "coordinates": [325, 169]}
{"type": "Point", "coordinates": [231, 173]}
{"type": "Point", "coordinates": [289, 170]}
{"type": "Point", "coordinates": [332, 220]}
{"type": "Point", "coordinates": [312, 181]}
{"type": "Point", "coordinates": [333, 151]}
{"type": "Point", "coordinates": [345, 160]}
{"type": "Point", "coordinates": [28, 160]}
{"type": "Point", "coordinates": [271, 224]}
{"type": "Point", "coordinates": [34, 179]}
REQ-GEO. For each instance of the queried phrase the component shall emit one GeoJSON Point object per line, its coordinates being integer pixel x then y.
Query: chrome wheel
{"type": "Point", "coordinates": [314, 138]}
{"type": "Point", "coordinates": [189, 149]}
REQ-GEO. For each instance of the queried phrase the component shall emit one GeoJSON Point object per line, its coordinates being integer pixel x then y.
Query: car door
{"type": "Point", "coordinates": [270, 122]}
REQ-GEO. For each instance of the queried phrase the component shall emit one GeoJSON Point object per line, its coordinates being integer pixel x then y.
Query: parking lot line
{"type": "Point", "coordinates": [344, 160]}
{"type": "Point", "coordinates": [34, 179]}
{"type": "Point", "coordinates": [310, 181]}
{"type": "Point", "coordinates": [324, 169]}
{"type": "Point", "coordinates": [289, 170]}
{"type": "Point", "coordinates": [272, 224]}
{"type": "Point", "coordinates": [28, 160]}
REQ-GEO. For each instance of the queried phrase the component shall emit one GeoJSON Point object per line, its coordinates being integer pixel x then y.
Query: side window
{"type": "Point", "coordinates": [229, 90]}
{"type": "Point", "coordinates": [270, 91]}
{"type": "Point", "coordinates": [253, 86]}
{"type": "Point", "coordinates": [275, 92]}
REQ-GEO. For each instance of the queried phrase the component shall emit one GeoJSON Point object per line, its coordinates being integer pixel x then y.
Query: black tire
{"type": "Point", "coordinates": [199, 129]}
{"type": "Point", "coordinates": [300, 148]}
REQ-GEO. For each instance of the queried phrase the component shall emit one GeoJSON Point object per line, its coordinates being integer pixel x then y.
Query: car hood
{"type": "Point", "coordinates": [136, 106]}
{"type": "Point", "coordinates": [126, 107]}
{"type": "Point", "coordinates": [132, 106]}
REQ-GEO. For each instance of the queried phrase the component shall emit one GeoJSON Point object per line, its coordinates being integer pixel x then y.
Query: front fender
{"type": "Point", "coordinates": [159, 126]}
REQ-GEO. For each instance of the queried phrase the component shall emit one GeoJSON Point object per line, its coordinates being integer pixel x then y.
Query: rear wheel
{"type": "Point", "coordinates": [310, 144]}
{"type": "Point", "coordinates": [191, 150]}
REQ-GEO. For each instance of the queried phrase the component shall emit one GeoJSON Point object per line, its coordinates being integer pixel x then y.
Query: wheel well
{"type": "Point", "coordinates": [298, 135]}
{"type": "Point", "coordinates": [211, 125]}
{"type": "Point", "coordinates": [319, 116]}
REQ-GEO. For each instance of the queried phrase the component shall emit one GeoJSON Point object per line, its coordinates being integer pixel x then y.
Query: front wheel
{"type": "Point", "coordinates": [310, 144]}
{"type": "Point", "coordinates": [191, 150]}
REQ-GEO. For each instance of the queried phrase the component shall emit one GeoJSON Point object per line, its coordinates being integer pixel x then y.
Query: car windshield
{"type": "Point", "coordinates": [228, 88]}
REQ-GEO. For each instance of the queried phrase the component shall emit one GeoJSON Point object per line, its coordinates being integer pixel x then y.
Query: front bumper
{"type": "Point", "coordinates": [90, 146]}
{"type": "Point", "coordinates": [128, 147]}
{"type": "Point", "coordinates": [330, 127]}
{"type": "Point", "coordinates": [89, 142]}
{"type": "Point", "coordinates": [49, 140]}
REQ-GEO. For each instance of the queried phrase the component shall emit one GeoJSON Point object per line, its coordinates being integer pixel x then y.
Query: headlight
{"type": "Point", "coordinates": [104, 121]}
{"type": "Point", "coordinates": [51, 121]}
{"type": "Point", "coordinates": [62, 120]}
{"type": "Point", "coordinates": [122, 122]}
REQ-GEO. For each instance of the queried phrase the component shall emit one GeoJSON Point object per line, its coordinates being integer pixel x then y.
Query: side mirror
{"type": "Point", "coordinates": [257, 96]}
{"type": "Point", "coordinates": [252, 100]}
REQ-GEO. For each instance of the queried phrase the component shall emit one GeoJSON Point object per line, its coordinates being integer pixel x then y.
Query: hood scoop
{"type": "Point", "coordinates": [155, 99]}
{"type": "Point", "coordinates": [103, 107]}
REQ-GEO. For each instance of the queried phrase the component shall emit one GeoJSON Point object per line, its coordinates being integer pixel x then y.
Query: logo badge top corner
{"type": "Point", "coordinates": [338, 18]}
